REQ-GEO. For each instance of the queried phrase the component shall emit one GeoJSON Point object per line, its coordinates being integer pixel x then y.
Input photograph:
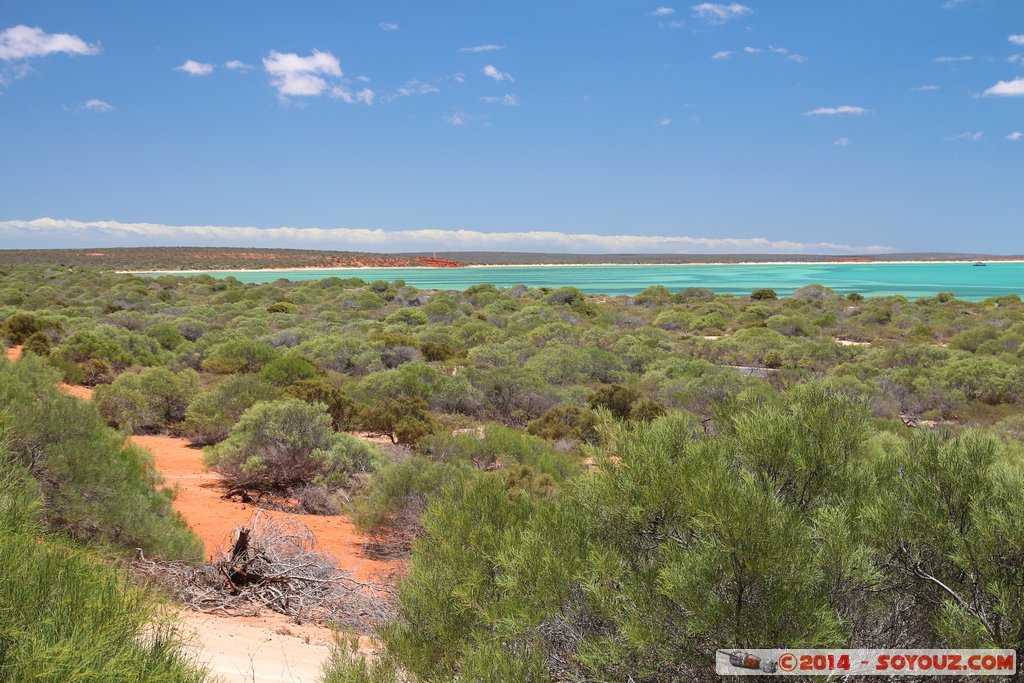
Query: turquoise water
{"type": "Point", "coordinates": [870, 279]}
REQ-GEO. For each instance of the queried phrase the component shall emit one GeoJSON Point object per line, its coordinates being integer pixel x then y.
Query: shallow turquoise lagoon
{"type": "Point", "coordinates": [870, 279]}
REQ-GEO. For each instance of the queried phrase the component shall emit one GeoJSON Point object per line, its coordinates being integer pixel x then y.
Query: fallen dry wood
{"type": "Point", "coordinates": [273, 563]}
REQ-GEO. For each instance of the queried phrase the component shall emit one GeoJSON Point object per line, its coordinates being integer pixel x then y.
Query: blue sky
{"type": "Point", "coordinates": [805, 125]}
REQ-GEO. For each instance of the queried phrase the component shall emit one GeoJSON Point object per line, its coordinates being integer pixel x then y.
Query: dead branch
{"type": "Point", "coordinates": [274, 563]}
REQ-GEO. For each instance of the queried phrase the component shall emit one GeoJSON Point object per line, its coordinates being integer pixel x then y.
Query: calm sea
{"type": "Point", "coordinates": [870, 279]}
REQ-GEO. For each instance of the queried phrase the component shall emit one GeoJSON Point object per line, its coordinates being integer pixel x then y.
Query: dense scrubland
{"type": "Point", "coordinates": [593, 488]}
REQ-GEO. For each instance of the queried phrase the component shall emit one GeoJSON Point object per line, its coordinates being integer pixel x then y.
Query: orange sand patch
{"type": "Point", "coordinates": [13, 353]}
{"type": "Point", "coordinates": [84, 393]}
{"type": "Point", "coordinates": [200, 501]}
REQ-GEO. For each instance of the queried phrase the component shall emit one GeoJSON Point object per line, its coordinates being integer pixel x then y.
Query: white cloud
{"type": "Point", "coordinates": [1014, 88]}
{"type": "Point", "coordinates": [417, 88]}
{"type": "Point", "coordinates": [98, 106]}
{"type": "Point", "coordinates": [842, 142]}
{"type": "Point", "coordinates": [751, 50]}
{"type": "Point", "coordinates": [237, 65]}
{"type": "Point", "coordinates": [926, 88]}
{"type": "Point", "coordinates": [364, 96]}
{"type": "Point", "coordinates": [1015, 59]}
{"type": "Point", "coordinates": [26, 42]}
{"type": "Point", "coordinates": [492, 71]}
{"type": "Point", "coordinates": [1017, 39]}
{"type": "Point", "coordinates": [385, 26]}
{"type": "Point", "coordinates": [969, 136]}
{"type": "Point", "coordinates": [12, 72]}
{"type": "Point", "coordinates": [507, 100]}
{"type": "Point", "coordinates": [844, 110]}
{"type": "Point", "coordinates": [482, 48]}
{"type": "Point", "coordinates": [194, 68]}
{"type": "Point", "coordinates": [663, 12]}
{"type": "Point", "coordinates": [947, 60]}
{"type": "Point", "coordinates": [293, 75]}
{"type": "Point", "coordinates": [1015, 136]}
{"type": "Point", "coordinates": [666, 121]}
{"type": "Point", "coordinates": [715, 13]}
{"type": "Point", "coordinates": [459, 119]}
{"type": "Point", "coordinates": [109, 233]}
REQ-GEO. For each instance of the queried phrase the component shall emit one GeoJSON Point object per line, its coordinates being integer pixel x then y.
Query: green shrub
{"type": "Point", "coordinates": [403, 420]}
{"type": "Point", "coordinates": [437, 351]}
{"type": "Point", "coordinates": [151, 400]}
{"type": "Point", "coordinates": [211, 414]}
{"type": "Point", "coordinates": [38, 344]}
{"type": "Point", "coordinates": [94, 486]}
{"type": "Point", "coordinates": [287, 370]}
{"type": "Point", "coordinates": [114, 346]}
{"type": "Point", "coordinates": [280, 444]}
{"type": "Point", "coordinates": [340, 406]}
{"type": "Point", "coordinates": [349, 665]}
{"type": "Point", "coordinates": [398, 493]}
{"type": "Point", "coordinates": [616, 398]}
{"type": "Point", "coordinates": [566, 422]}
{"type": "Point", "coordinates": [166, 334]}
{"type": "Point", "coordinates": [282, 307]}
{"type": "Point", "coordinates": [764, 294]}
{"type": "Point", "coordinates": [240, 355]}
{"type": "Point", "coordinates": [20, 326]}
{"type": "Point", "coordinates": [67, 616]}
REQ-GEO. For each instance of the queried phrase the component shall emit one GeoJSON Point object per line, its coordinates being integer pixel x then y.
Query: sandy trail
{"type": "Point", "coordinates": [12, 353]}
{"type": "Point", "coordinates": [265, 649]}
{"type": "Point", "coordinates": [200, 501]}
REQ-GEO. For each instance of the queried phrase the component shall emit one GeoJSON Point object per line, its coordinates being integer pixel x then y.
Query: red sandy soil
{"type": "Point", "coordinates": [13, 353]}
{"type": "Point", "coordinates": [201, 502]}
{"type": "Point", "coordinates": [84, 393]}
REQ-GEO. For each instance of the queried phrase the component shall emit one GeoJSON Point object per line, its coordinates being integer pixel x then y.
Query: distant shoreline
{"type": "Point", "coordinates": [562, 265]}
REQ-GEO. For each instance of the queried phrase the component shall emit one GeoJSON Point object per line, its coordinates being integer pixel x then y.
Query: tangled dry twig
{"type": "Point", "coordinates": [273, 563]}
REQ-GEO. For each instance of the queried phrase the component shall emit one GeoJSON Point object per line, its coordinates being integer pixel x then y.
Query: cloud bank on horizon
{"type": "Point", "coordinates": [72, 233]}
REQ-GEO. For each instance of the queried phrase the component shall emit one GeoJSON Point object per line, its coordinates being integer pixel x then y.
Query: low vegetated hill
{"type": "Point", "coordinates": [213, 258]}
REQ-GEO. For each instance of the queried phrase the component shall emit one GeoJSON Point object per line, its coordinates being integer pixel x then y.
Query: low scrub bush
{"type": "Point", "coordinates": [152, 400]}
{"type": "Point", "coordinates": [277, 445]}
{"type": "Point", "coordinates": [211, 414]}
{"type": "Point", "coordinates": [64, 614]}
{"type": "Point", "coordinates": [93, 485]}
